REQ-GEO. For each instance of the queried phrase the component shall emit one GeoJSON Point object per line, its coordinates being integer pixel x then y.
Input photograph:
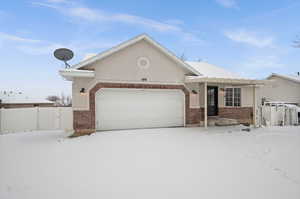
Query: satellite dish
{"type": "Point", "coordinates": [64, 55]}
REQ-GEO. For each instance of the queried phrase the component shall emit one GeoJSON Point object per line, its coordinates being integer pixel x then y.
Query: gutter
{"type": "Point", "coordinates": [190, 79]}
{"type": "Point", "coordinates": [69, 74]}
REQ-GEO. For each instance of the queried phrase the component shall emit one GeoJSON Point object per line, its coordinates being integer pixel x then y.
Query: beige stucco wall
{"type": "Point", "coordinates": [279, 89]}
{"type": "Point", "coordinates": [246, 95]}
{"type": "Point", "coordinates": [122, 67]}
{"type": "Point", "coordinates": [79, 101]}
{"type": "Point", "coordinates": [194, 98]}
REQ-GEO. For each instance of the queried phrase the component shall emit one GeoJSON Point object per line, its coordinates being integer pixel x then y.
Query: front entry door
{"type": "Point", "coordinates": [212, 100]}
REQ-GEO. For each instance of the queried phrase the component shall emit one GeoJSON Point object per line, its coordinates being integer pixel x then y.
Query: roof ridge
{"type": "Point", "coordinates": [130, 42]}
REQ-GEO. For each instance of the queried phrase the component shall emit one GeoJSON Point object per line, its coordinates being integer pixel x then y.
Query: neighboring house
{"type": "Point", "coordinates": [21, 101]}
{"type": "Point", "coordinates": [140, 84]}
{"type": "Point", "coordinates": [282, 88]}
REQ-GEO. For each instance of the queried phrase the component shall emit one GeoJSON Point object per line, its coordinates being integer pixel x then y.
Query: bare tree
{"type": "Point", "coordinates": [65, 100]}
{"type": "Point", "coordinates": [53, 98]}
{"type": "Point", "coordinates": [69, 101]}
{"type": "Point", "coordinates": [62, 99]}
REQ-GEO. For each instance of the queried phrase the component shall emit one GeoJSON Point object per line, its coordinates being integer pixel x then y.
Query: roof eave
{"type": "Point", "coordinates": [70, 74]}
{"type": "Point", "coordinates": [190, 79]}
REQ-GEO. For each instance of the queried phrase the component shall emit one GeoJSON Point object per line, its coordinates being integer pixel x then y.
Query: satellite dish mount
{"type": "Point", "coordinates": [64, 55]}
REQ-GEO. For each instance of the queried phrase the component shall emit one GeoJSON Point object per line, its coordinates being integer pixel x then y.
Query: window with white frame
{"type": "Point", "coordinates": [233, 97]}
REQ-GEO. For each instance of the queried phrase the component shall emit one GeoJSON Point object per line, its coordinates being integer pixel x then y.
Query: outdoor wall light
{"type": "Point", "coordinates": [194, 92]}
{"type": "Point", "coordinates": [82, 91]}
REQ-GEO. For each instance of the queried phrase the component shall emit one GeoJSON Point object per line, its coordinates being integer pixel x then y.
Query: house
{"type": "Point", "coordinates": [282, 88]}
{"type": "Point", "coordinates": [18, 100]}
{"type": "Point", "coordinates": [141, 84]}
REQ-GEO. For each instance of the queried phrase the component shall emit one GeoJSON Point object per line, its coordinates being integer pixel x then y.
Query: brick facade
{"type": "Point", "coordinates": [86, 119]}
{"type": "Point", "coordinates": [243, 114]}
{"type": "Point", "coordinates": [82, 120]}
{"type": "Point", "coordinates": [196, 115]}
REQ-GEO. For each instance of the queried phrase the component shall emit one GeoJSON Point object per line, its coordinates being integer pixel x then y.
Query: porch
{"type": "Point", "coordinates": [222, 101]}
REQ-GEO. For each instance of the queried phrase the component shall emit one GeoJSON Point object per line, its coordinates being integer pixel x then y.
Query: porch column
{"type": "Point", "coordinates": [205, 104]}
{"type": "Point", "coordinates": [254, 106]}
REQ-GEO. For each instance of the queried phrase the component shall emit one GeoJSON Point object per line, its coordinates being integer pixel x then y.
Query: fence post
{"type": "Point", "coordinates": [59, 114]}
{"type": "Point", "coordinates": [0, 120]}
{"type": "Point", "coordinates": [271, 119]}
{"type": "Point", "coordinates": [37, 118]}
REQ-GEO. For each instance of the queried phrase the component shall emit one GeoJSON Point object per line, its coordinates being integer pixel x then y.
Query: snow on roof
{"type": "Point", "coordinates": [70, 73]}
{"type": "Point", "coordinates": [212, 71]}
{"type": "Point", "coordinates": [295, 78]}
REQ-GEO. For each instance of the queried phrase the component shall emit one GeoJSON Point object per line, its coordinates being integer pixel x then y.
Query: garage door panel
{"type": "Point", "coordinates": [138, 108]}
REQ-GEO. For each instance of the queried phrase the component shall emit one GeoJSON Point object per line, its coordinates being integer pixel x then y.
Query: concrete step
{"type": "Point", "coordinates": [217, 121]}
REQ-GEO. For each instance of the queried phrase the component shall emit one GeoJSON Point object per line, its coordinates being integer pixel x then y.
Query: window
{"type": "Point", "coordinates": [237, 96]}
{"type": "Point", "coordinates": [233, 97]}
{"type": "Point", "coordinates": [228, 97]}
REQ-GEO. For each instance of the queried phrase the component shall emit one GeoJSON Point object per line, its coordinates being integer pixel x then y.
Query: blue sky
{"type": "Point", "coordinates": [253, 38]}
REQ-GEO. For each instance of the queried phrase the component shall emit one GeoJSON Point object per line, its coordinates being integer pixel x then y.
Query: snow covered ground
{"type": "Point", "coordinates": [165, 163]}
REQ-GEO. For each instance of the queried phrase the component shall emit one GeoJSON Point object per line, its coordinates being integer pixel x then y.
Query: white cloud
{"type": "Point", "coordinates": [250, 38]}
{"type": "Point", "coordinates": [86, 14]}
{"type": "Point", "coordinates": [96, 15]}
{"type": "Point", "coordinates": [58, 1]}
{"type": "Point", "coordinates": [227, 3]}
{"type": "Point", "coordinates": [14, 38]}
{"type": "Point", "coordinates": [174, 21]}
{"type": "Point", "coordinates": [263, 62]}
{"type": "Point", "coordinates": [79, 47]}
{"type": "Point", "coordinates": [259, 66]}
{"type": "Point", "coordinates": [148, 23]}
{"type": "Point", "coordinates": [45, 48]}
{"type": "Point", "coordinates": [39, 47]}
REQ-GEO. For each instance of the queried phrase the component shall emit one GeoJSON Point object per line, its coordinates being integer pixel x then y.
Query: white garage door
{"type": "Point", "coordinates": [138, 108]}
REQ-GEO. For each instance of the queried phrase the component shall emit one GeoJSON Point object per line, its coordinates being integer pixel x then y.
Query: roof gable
{"type": "Point", "coordinates": [129, 43]}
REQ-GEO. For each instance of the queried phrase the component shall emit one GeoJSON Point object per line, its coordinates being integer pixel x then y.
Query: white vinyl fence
{"type": "Point", "coordinates": [279, 115]}
{"type": "Point", "coordinates": [37, 118]}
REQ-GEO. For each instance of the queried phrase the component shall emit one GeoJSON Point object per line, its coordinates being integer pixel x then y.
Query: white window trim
{"type": "Point", "coordinates": [232, 97]}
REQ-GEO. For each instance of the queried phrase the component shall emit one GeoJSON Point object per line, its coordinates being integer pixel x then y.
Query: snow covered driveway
{"type": "Point", "coordinates": [170, 163]}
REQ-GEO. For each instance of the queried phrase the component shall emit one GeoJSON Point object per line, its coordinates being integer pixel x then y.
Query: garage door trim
{"type": "Point", "coordinates": [130, 91]}
{"type": "Point", "coordinates": [85, 119]}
